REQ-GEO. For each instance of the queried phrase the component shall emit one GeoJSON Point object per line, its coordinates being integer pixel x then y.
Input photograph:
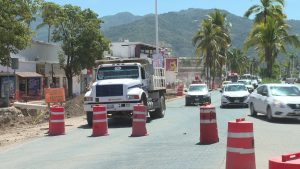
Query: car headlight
{"type": "Point", "coordinates": [88, 99]}
{"type": "Point", "coordinates": [133, 97]}
{"type": "Point", "coordinates": [279, 104]}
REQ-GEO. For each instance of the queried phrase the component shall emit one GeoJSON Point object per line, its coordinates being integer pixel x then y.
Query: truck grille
{"type": "Point", "coordinates": [109, 90]}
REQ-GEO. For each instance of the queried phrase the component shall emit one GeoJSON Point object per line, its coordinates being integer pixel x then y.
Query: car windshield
{"type": "Point", "coordinates": [285, 91]}
{"type": "Point", "coordinates": [201, 88]}
{"type": "Point", "coordinates": [234, 88]}
{"type": "Point", "coordinates": [243, 82]}
{"type": "Point", "coordinates": [118, 72]}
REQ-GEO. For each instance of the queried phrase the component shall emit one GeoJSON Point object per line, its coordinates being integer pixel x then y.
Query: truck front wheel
{"type": "Point", "coordinates": [160, 111]}
{"type": "Point", "coordinates": [89, 118]}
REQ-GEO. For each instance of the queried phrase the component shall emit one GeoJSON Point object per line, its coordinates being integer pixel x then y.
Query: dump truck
{"type": "Point", "coordinates": [121, 84]}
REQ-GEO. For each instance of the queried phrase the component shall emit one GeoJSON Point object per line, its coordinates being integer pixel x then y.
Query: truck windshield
{"type": "Point", "coordinates": [118, 72]}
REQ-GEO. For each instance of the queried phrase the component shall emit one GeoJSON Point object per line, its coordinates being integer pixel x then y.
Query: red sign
{"type": "Point", "coordinates": [172, 64]}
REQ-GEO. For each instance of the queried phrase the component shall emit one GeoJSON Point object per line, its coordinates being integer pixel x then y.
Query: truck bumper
{"type": "Point", "coordinates": [114, 107]}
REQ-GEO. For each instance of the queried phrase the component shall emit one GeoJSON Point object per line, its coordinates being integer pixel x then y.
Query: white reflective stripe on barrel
{"type": "Point", "coordinates": [57, 113]}
{"type": "Point", "coordinates": [99, 121]}
{"type": "Point", "coordinates": [240, 150]}
{"type": "Point", "coordinates": [139, 112]}
{"type": "Point", "coordinates": [101, 112]}
{"type": "Point", "coordinates": [208, 121]}
{"type": "Point", "coordinates": [139, 120]}
{"type": "Point", "coordinates": [57, 121]}
{"type": "Point", "coordinates": [240, 135]}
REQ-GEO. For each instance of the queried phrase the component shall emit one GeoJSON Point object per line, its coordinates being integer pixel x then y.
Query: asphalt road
{"type": "Point", "coordinates": [172, 143]}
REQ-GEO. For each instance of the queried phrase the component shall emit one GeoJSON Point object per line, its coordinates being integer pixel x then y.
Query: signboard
{"type": "Point", "coordinates": [172, 64]}
{"type": "Point", "coordinates": [157, 60]}
{"type": "Point", "coordinates": [55, 95]}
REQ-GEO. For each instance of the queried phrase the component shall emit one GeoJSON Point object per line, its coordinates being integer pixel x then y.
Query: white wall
{"type": "Point", "coordinates": [23, 67]}
{"type": "Point", "coordinates": [123, 49]}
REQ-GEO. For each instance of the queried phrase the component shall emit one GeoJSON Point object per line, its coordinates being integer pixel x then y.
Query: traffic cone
{"type": "Point", "coordinates": [57, 120]}
{"type": "Point", "coordinates": [100, 125]}
{"type": "Point", "coordinates": [139, 120]}
{"type": "Point", "coordinates": [208, 125]}
{"type": "Point", "coordinates": [240, 145]}
{"type": "Point", "coordinates": [288, 161]}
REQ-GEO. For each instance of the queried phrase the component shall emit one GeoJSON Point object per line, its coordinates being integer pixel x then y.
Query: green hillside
{"type": "Point", "coordinates": [176, 29]}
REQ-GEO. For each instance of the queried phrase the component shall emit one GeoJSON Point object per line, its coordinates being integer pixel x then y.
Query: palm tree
{"type": "Point", "coordinates": [208, 42]}
{"type": "Point", "coordinates": [267, 8]}
{"type": "Point", "coordinates": [270, 39]}
{"type": "Point", "coordinates": [237, 61]}
{"type": "Point", "coordinates": [50, 12]}
{"type": "Point", "coordinates": [219, 20]}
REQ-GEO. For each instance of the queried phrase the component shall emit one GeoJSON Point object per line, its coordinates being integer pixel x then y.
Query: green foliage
{"type": "Point", "coordinates": [14, 30]}
{"type": "Point", "coordinates": [270, 80]}
{"type": "Point", "coordinates": [82, 42]}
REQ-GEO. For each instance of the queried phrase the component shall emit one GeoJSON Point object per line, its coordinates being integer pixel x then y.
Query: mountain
{"type": "Point", "coordinates": [118, 19]}
{"type": "Point", "coordinates": [176, 29]}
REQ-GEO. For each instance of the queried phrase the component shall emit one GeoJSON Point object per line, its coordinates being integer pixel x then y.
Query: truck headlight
{"type": "Point", "coordinates": [88, 99]}
{"type": "Point", "coordinates": [131, 97]}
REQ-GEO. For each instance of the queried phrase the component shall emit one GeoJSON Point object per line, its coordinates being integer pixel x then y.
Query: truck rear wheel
{"type": "Point", "coordinates": [159, 112]}
{"type": "Point", "coordinates": [89, 118]}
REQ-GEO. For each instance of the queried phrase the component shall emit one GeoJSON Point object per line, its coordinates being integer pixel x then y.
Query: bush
{"type": "Point", "coordinates": [270, 80]}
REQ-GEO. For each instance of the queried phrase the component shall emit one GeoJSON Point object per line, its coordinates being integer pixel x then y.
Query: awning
{"type": "Point", "coordinates": [28, 74]}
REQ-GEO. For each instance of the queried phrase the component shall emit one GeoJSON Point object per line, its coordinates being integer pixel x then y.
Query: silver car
{"type": "Point", "coordinates": [235, 94]}
{"type": "Point", "coordinates": [197, 94]}
{"type": "Point", "coordinates": [276, 101]}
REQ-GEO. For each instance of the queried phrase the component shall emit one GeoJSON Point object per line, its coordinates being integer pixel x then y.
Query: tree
{"type": "Point", "coordinates": [270, 39]}
{"type": "Point", "coordinates": [14, 30]}
{"type": "Point", "coordinates": [50, 13]}
{"type": "Point", "coordinates": [267, 8]}
{"type": "Point", "coordinates": [82, 42]}
{"type": "Point", "coordinates": [211, 41]}
{"type": "Point", "coordinates": [237, 61]}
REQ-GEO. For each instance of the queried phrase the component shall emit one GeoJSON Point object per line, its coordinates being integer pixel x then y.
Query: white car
{"type": "Point", "coordinates": [276, 101]}
{"type": "Point", "coordinates": [247, 83]}
{"type": "Point", "coordinates": [235, 94]}
{"type": "Point", "coordinates": [197, 94]}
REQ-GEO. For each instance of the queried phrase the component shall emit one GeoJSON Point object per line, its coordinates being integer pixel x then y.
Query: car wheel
{"type": "Point", "coordinates": [252, 110]}
{"type": "Point", "coordinates": [269, 114]}
{"type": "Point", "coordinates": [187, 103]}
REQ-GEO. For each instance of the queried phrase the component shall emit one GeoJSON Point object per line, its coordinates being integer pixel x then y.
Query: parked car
{"type": "Point", "coordinates": [276, 101]}
{"type": "Point", "coordinates": [197, 94]}
{"type": "Point", "coordinates": [235, 94]}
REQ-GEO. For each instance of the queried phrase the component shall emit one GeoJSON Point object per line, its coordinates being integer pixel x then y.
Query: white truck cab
{"type": "Point", "coordinates": [121, 84]}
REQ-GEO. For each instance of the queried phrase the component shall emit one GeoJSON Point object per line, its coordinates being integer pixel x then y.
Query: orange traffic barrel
{"type": "Point", "coordinates": [179, 91]}
{"type": "Point", "coordinates": [240, 145]}
{"type": "Point", "coordinates": [57, 120]}
{"type": "Point", "coordinates": [288, 161]}
{"type": "Point", "coordinates": [100, 125]}
{"type": "Point", "coordinates": [139, 119]}
{"type": "Point", "coordinates": [208, 124]}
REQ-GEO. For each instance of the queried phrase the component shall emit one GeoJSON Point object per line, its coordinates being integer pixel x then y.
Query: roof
{"type": "Point", "coordinates": [28, 74]}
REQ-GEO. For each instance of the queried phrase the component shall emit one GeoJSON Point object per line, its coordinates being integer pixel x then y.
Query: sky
{"type": "Point", "coordinates": [143, 7]}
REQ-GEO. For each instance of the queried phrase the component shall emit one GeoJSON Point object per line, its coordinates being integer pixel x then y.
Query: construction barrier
{"type": "Point", "coordinates": [288, 161]}
{"type": "Point", "coordinates": [240, 145]}
{"type": "Point", "coordinates": [100, 125]}
{"type": "Point", "coordinates": [139, 120]}
{"type": "Point", "coordinates": [57, 120]}
{"type": "Point", "coordinates": [179, 91]}
{"type": "Point", "coordinates": [208, 125]}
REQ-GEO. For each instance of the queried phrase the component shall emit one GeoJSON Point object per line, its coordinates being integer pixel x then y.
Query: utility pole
{"type": "Point", "coordinates": [156, 28]}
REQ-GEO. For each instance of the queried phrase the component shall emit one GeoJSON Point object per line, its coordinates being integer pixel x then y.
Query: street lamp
{"type": "Point", "coordinates": [156, 27]}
